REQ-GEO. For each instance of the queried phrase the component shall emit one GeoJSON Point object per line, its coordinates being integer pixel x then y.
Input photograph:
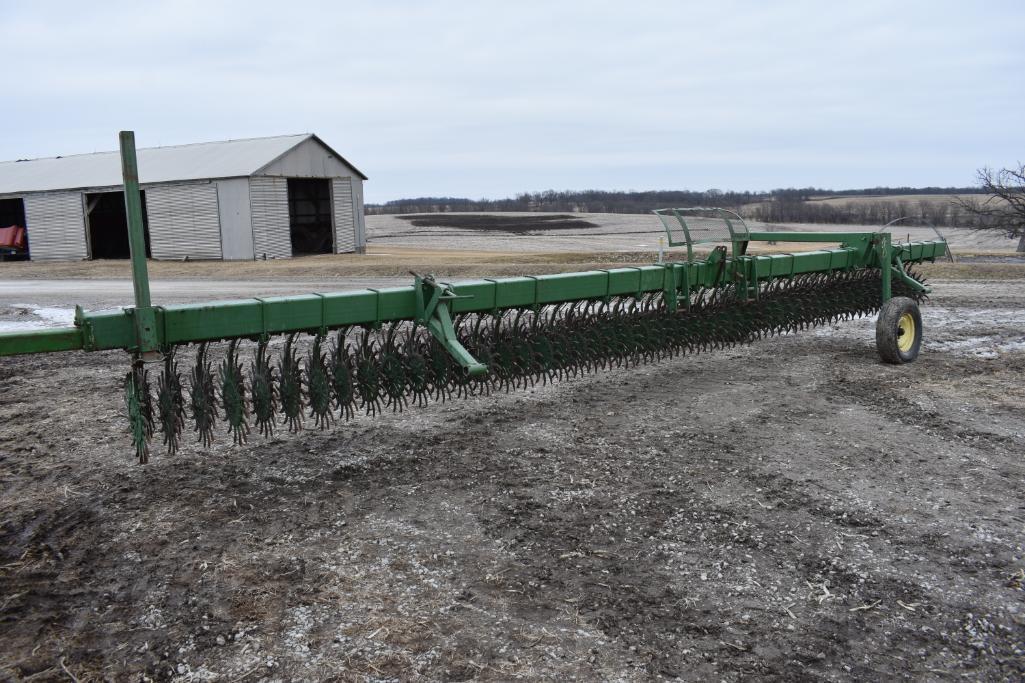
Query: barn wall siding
{"type": "Point", "coordinates": [268, 199]}
{"type": "Point", "coordinates": [345, 225]}
{"type": "Point", "coordinates": [184, 221]}
{"type": "Point", "coordinates": [55, 224]}
{"type": "Point", "coordinates": [308, 160]}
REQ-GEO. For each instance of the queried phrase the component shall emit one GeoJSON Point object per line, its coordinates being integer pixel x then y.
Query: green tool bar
{"type": "Point", "coordinates": [41, 341]}
{"type": "Point", "coordinates": [257, 318]}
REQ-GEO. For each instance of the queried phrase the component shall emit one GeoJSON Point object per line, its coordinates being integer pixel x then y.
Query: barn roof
{"type": "Point", "coordinates": [199, 161]}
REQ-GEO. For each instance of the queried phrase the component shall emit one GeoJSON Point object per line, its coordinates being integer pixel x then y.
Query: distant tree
{"type": "Point", "coordinates": [1004, 208]}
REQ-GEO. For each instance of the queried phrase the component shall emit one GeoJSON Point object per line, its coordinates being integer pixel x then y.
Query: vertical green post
{"type": "Point", "coordinates": [145, 316]}
{"type": "Point", "coordinates": [885, 258]}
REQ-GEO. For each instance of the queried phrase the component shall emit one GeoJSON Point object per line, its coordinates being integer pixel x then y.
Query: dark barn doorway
{"type": "Point", "coordinates": [309, 216]}
{"type": "Point", "coordinates": [108, 225]}
{"type": "Point", "coordinates": [12, 215]}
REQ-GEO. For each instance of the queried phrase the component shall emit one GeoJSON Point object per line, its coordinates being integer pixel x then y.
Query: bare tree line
{"type": "Point", "coordinates": [778, 206]}
{"type": "Point", "coordinates": [586, 201]}
{"type": "Point", "coordinates": [998, 204]}
{"type": "Point", "coordinates": [939, 212]}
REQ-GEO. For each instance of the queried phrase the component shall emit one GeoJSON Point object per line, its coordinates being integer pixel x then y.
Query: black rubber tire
{"type": "Point", "coordinates": [888, 330]}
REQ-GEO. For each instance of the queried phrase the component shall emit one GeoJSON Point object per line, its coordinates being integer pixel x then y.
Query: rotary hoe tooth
{"type": "Point", "coordinates": [368, 375]}
{"type": "Point", "coordinates": [480, 342]}
{"type": "Point", "coordinates": [140, 410]}
{"type": "Point", "coordinates": [290, 386]}
{"type": "Point", "coordinates": [318, 382]}
{"type": "Point", "coordinates": [440, 371]}
{"type": "Point", "coordinates": [418, 371]}
{"type": "Point", "coordinates": [203, 397]}
{"type": "Point", "coordinates": [233, 395]}
{"type": "Point", "coordinates": [544, 351]}
{"type": "Point", "coordinates": [264, 390]}
{"type": "Point", "coordinates": [171, 402]}
{"type": "Point", "coordinates": [343, 387]}
{"type": "Point", "coordinates": [393, 371]}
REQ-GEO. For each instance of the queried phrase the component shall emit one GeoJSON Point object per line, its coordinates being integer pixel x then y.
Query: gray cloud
{"type": "Point", "coordinates": [492, 98]}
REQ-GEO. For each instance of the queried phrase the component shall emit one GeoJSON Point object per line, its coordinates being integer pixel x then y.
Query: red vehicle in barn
{"type": "Point", "coordinates": [13, 243]}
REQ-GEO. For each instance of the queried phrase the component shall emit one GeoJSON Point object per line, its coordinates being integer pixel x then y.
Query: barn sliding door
{"type": "Point", "coordinates": [345, 227]}
{"type": "Point", "coordinates": [183, 221]}
{"type": "Point", "coordinates": [268, 199]}
{"type": "Point", "coordinates": [56, 225]}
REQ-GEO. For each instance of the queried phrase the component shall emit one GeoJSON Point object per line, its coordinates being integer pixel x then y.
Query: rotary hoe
{"type": "Point", "coordinates": [282, 363]}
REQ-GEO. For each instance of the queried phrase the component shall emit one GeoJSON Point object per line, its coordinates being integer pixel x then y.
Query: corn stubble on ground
{"type": "Point", "coordinates": [789, 509]}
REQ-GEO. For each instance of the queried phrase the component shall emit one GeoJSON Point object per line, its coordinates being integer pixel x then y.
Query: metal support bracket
{"type": "Point", "coordinates": [669, 287]}
{"type": "Point", "coordinates": [885, 261]}
{"type": "Point", "coordinates": [898, 271]}
{"type": "Point", "coordinates": [432, 311]}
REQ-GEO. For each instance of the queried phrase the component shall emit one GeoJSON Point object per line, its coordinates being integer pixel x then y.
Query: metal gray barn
{"type": "Point", "coordinates": [237, 199]}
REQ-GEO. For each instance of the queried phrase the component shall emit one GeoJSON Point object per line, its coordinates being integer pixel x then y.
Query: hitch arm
{"type": "Point", "coordinates": [432, 311]}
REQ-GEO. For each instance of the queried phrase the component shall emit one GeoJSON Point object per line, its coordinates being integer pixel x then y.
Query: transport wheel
{"type": "Point", "coordinates": [899, 330]}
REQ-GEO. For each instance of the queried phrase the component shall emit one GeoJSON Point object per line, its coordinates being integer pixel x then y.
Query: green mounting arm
{"type": "Point", "coordinates": [898, 270]}
{"type": "Point", "coordinates": [432, 300]}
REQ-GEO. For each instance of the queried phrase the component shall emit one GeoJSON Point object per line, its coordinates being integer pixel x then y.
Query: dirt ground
{"type": "Point", "coordinates": [791, 510]}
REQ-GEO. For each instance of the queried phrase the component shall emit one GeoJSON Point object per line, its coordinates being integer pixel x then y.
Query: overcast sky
{"type": "Point", "coordinates": [493, 98]}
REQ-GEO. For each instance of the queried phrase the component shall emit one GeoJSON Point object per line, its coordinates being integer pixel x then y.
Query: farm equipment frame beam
{"type": "Point", "coordinates": [433, 303]}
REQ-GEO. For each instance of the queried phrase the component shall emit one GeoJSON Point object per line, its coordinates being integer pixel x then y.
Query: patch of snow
{"type": "Point", "coordinates": [42, 317]}
{"type": "Point", "coordinates": [961, 317]}
{"type": "Point", "coordinates": [988, 346]}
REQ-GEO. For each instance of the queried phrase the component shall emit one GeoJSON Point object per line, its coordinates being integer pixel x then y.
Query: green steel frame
{"type": "Point", "coordinates": [429, 301]}
{"type": "Point", "coordinates": [146, 330]}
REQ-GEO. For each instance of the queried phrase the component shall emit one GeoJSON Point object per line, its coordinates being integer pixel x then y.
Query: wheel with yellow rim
{"type": "Point", "coordinates": [899, 330]}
